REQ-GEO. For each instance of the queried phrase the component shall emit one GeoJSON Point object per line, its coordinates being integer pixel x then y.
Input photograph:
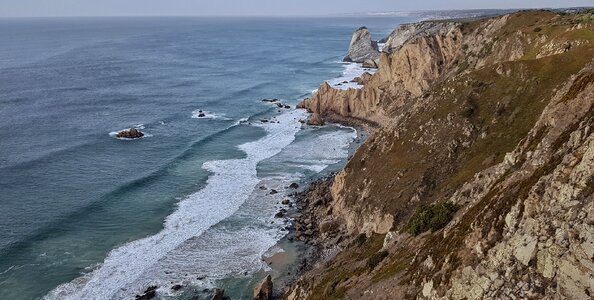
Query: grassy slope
{"type": "Point", "coordinates": [502, 107]}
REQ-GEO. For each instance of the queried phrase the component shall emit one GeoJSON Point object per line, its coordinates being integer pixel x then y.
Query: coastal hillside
{"type": "Point", "coordinates": [477, 180]}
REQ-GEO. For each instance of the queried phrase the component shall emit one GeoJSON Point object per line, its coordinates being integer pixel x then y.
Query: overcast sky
{"type": "Point", "coordinates": [41, 8]}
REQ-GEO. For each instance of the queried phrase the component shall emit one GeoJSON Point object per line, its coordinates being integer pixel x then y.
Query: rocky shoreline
{"type": "Point", "coordinates": [313, 239]}
{"type": "Point", "coordinates": [478, 182]}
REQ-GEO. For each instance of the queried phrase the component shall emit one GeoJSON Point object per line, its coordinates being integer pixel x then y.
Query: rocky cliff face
{"type": "Point", "coordinates": [478, 182]}
{"type": "Point", "coordinates": [405, 33]}
{"type": "Point", "coordinates": [402, 75]}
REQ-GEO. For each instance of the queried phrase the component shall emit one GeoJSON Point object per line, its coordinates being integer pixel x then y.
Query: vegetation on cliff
{"type": "Point", "coordinates": [477, 182]}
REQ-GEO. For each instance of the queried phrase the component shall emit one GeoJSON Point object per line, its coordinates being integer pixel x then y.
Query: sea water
{"type": "Point", "coordinates": [85, 215]}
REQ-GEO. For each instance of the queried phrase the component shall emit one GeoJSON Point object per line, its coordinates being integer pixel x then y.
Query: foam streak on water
{"type": "Point", "coordinates": [228, 187]}
{"type": "Point", "coordinates": [350, 72]}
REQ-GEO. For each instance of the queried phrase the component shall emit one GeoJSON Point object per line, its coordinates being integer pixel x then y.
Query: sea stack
{"type": "Point", "coordinates": [362, 48]}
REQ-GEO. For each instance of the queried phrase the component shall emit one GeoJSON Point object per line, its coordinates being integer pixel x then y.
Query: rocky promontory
{"type": "Point", "coordinates": [477, 183]}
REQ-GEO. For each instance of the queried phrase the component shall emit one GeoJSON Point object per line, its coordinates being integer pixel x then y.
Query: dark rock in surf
{"type": "Point", "coordinates": [176, 287]}
{"type": "Point", "coordinates": [132, 133]}
{"type": "Point", "coordinates": [281, 213]}
{"type": "Point", "coordinates": [149, 293]}
{"type": "Point", "coordinates": [219, 294]}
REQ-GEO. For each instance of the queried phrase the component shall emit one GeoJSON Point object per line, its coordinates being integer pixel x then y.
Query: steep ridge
{"type": "Point", "coordinates": [487, 123]}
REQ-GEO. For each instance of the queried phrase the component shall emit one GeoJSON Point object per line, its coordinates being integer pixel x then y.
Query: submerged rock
{"type": "Point", "coordinates": [362, 47]}
{"type": "Point", "coordinates": [132, 133]}
{"type": "Point", "coordinates": [219, 294]}
{"type": "Point", "coordinates": [281, 213]}
{"type": "Point", "coordinates": [263, 291]}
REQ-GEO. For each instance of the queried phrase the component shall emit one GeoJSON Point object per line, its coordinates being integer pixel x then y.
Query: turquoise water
{"type": "Point", "coordinates": [182, 204]}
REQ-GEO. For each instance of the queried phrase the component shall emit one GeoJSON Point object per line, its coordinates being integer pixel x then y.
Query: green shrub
{"type": "Point", "coordinates": [360, 239]}
{"type": "Point", "coordinates": [432, 217]}
{"type": "Point", "coordinates": [377, 258]}
{"type": "Point", "coordinates": [467, 111]}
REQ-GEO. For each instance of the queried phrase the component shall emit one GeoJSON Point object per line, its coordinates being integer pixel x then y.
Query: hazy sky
{"type": "Point", "coordinates": [36, 8]}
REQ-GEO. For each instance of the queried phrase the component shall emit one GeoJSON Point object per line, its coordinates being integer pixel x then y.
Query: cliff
{"type": "Point", "coordinates": [478, 182]}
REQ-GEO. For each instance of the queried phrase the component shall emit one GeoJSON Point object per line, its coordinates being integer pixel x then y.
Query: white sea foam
{"type": "Point", "coordinates": [208, 115]}
{"type": "Point", "coordinates": [242, 121]}
{"type": "Point", "coordinates": [351, 70]}
{"type": "Point", "coordinates": [227, 188]}
{"type": "Point", "coordinates": [201, 241]}
{"type": "Point", "coordinates": [318, 150]}
{"type": "Point", "coordinates": [380, 46]}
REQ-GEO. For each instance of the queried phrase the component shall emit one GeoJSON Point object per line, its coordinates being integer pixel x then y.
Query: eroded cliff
{"type": "Point", "coordinates": [491, 117]}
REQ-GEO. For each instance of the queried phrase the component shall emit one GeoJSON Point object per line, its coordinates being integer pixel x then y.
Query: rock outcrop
{"type": "Point", "coordinates": [494, 117]}
{"type": "Point", "coordinates": [263, 291]}
{"type": "Point", "coordinates": [132, 133]}
{"type": "Point", "coordinates": [401, 75]}
{"type": "Point", "coordinates": [406, 33]}
{"type": "Point", "coordinates": [219, 294]}
{"type": "Point", "coordinates": [315, 119]}
{"type": "Point", "coordinates": [362, 48]}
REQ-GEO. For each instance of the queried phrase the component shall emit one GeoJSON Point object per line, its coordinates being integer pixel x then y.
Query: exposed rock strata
{"type": "Point", "coordinates": [362, 48]}
{"type": "Point", "coordinates": [405, 33]}
{"type": "Point", "coordinates": [495, 116]}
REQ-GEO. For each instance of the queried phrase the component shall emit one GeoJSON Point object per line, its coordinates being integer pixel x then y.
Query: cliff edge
{"type": "Point", "coordinates": [479, 181]}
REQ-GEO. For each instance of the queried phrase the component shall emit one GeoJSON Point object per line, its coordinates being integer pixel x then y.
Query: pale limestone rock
{"type": "Point", "coordinates": [362, 47]}
{"type": "Point", "coordinates": [526, 249]}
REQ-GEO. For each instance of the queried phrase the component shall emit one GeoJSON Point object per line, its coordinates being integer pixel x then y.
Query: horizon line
{"type": "Point", "coordinates": [392, 13]}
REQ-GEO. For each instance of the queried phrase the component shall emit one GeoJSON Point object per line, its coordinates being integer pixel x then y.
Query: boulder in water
{"type": "Point", "coordinates": [132, 133]}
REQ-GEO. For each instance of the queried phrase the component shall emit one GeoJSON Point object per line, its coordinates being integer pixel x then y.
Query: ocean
{"type": "Point", "coordinates": [86, 215]}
